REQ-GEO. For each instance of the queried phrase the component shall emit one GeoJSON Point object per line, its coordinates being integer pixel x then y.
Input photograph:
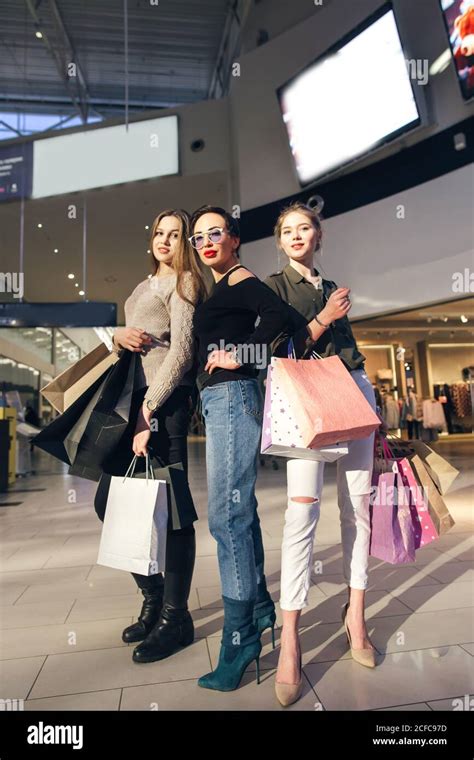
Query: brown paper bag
{"type": "Point", "coordinates": [436, 506]}
{"type": "Point", "coordinates": [70, 384]}
{"type": "Point", "coordinates": [441, 471]}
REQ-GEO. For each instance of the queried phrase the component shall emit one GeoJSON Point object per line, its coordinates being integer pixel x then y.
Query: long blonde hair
{"type": "Point", "coordinates": [184, 259]}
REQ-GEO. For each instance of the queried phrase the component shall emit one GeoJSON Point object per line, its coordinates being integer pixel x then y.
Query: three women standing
{"type": "Point", "coordinates": [172, 307]}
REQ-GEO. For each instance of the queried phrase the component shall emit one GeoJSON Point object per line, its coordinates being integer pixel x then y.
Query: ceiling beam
{"type": "Point", "coordinates": [229, 48]}
{"type": "Point", "coordinates": [70, 56]}
{"type": "Point", "coordinates": [63, 54]}
{"type": "Point", "coordinates": [17, 99]}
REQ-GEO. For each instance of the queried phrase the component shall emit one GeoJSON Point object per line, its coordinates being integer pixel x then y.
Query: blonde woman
{"type": "Point", "coordinates": [321, 324]}
{"type": "Point", "coordinates": [158, 316]}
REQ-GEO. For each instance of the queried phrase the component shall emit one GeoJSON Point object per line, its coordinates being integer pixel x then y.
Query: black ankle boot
{"type": "Point", "coordinates": [174, 628]}
{"type": "Point", "coordinates": [152, 588]}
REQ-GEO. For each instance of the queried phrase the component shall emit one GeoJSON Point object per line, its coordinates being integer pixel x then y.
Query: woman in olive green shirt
{"type": "Point", "coordinates": [321, 324]}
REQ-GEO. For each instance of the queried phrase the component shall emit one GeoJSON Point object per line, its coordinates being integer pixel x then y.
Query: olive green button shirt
{"type": "Point", "coordinates": [307, 301]}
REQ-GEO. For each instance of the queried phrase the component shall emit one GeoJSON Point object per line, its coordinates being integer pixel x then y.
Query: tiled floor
{"type": "Point", "coordinates": [61, 615]}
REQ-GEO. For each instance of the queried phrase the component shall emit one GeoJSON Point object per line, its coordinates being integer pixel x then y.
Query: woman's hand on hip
{"type": "Point", "coordinates": [132, 338]}
{"type": "Point", "coordinates": [222, 359]}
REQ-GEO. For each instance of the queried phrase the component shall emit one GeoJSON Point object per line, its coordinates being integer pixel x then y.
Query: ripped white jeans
{"type": "Point", "coordinates": [305, 479]}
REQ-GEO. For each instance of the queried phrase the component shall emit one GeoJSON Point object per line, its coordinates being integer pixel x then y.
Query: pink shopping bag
{"type": "Point", "coordinates": [281, 435]}
{"type": "Point", "coordinates": [392, 531]}
{"type": "Point", "coordinates": [426, 488]}
{"type": "Point", "coordinates": [417, 498]}
{"type": "Point", "coordinates": [320, 401]}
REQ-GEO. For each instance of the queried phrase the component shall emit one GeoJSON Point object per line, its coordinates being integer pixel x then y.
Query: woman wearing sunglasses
{"type": "Point", "coordinates": [158, 316]}
{"type": "Point", "coordinates": [321, 325]}
{"type": "Point", "coordinates": [232, 407]}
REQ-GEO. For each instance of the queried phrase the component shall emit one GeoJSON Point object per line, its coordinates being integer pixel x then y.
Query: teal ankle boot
{"type": "Point", "coordinates": [233, 662]}
{"type": "Point", "coordinates": [265, 618]}
{"type": "Point", "coordinates": [239, 647]}
{"type": "Point", "coordinates": [264, 614]}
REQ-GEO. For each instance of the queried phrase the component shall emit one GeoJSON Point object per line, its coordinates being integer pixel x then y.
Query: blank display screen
{"type": "Point", "coordinates": [105, 156]}
{"type": "Point", "coordinates": [351, 100]}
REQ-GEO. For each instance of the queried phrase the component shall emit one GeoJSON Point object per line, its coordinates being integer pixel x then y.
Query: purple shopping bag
{"type": "Point", "coordinates": [392, 534]}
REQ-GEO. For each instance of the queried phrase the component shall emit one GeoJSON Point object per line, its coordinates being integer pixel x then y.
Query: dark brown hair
{"type": "Point", "coordinates": [230, 222]}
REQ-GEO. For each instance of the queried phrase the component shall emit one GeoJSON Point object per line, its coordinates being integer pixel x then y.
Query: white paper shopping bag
{"type": "Point", "coordinates": [135, 525]}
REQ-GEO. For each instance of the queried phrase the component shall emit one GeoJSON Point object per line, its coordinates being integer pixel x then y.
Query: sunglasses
{"type": "Point", "coordinates": [214, 235]}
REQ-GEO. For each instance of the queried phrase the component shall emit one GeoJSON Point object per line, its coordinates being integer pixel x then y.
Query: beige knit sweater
{"type": "Point", "coordinates": [155, 306]}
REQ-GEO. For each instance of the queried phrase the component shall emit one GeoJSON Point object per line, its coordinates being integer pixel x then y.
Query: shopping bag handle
{"type": "Point", "coordinates": [133, 463]}
{"type": "Point", "coordinates": [399, 439]}
{"type": "Point", "coordinates": [387, 445]}
{"type": "Point", "coordinates": [149, 466]}
{"type": "Point", "coordinates": [292, 352]}
{"type": "Point", "coordinates": [387, 449]}
{"type": "Point", "coordinates": [387, 453]}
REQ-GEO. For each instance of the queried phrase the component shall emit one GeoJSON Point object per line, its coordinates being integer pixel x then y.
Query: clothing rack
{"type": "Point", "coordinates": [459, 405]}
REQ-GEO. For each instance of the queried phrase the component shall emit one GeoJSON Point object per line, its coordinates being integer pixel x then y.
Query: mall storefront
{"type": "Point", "coordinates": [421, 364]}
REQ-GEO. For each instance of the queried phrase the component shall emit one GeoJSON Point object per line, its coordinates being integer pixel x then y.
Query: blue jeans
{"type": "Point", "coordinates": [233, 414]}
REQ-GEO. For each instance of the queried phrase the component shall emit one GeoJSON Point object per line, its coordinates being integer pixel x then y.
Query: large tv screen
{"type": "Point", "coordinates": [354, 98]}
{"type": "Point", "coordinates": [459, 20]}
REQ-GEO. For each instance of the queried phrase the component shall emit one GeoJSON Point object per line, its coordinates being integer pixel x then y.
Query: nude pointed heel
{"type": "Point", "coordinates": [362, 656]}
{"type": "Point", "coordinates": [288, 693]}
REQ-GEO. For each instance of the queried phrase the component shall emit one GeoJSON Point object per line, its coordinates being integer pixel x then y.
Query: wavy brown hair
{"type": "Point", "coordinates": [184, 259]}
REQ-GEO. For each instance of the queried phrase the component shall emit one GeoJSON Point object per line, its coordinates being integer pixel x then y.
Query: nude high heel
{"type": "Point", "coordinates": [288, 693]}
{"type": "Point", "coordinates": [362, 656]}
